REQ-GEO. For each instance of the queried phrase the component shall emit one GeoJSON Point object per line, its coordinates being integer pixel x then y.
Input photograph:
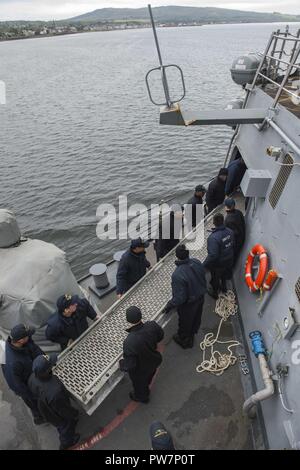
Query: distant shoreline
{"type": "Point", "coordinates": [69, 33]}
{"type": "Point", "coordinates": [40, 36]}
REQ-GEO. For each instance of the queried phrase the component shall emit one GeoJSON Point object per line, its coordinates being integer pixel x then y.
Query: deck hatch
{"type": "Point", "coordinates": [281, 180]}
{"type": "Point", "coordinates": [297, 288]}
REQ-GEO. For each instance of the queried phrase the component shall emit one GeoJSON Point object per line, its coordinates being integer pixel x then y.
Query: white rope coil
{"type": "Point", "coordinates": [218, 362]}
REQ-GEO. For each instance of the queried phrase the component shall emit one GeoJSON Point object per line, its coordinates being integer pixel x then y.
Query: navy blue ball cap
{"type": "Point", "coordinates": [161, 439]}
{"type": "Point", "coordinates": [21, 331]}
{"type": "Point", "coordinates": [182, 252]}
{"type": "Point", "coordinates": [138, 242]}
{"type": "Point", "coordinates": [64, 301]}
{"type": "Point", "coordinates": [43, 363]}
{"type": "Point", "coordinates": [200, 189]}
{"type": "Point", "coordinates": [229, 202]}
{"type": "Point", "coordinates": [133, 314]}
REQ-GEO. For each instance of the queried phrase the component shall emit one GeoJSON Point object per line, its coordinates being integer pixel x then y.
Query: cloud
{"type": "Point", "coordinates": [59, 9]}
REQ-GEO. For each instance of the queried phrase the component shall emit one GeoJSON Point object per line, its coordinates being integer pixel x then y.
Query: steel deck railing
{"type": "Point", "coordinates": [289, 46]}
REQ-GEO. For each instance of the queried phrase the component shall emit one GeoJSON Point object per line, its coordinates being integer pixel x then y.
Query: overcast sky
{"type": "Point", "coordinates": [59, 9]}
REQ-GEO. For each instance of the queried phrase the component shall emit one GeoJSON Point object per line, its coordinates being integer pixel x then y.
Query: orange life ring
{"type": "Point", "coordinates": [255, 285]}
{"type": "Point", "coordinates": [270, 279]}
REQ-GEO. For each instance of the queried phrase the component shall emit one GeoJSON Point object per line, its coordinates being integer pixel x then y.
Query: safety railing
{"type": "Point", "coordinates": [272, 62]}
{"type": "Point", "coordinates": [280, 44]}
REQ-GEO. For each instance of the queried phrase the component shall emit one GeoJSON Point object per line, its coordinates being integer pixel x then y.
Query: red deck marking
{"type": "Point", "coordinates": [91, 441]}
{"type": "Point", "coordinates": [129, 409]}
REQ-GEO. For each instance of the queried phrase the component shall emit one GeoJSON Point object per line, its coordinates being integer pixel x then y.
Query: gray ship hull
{"type": "Point", "coordinates": [278, 230]}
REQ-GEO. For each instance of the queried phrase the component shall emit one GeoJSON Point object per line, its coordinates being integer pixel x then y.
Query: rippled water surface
{"type": "Point", "coordinates": [78, 128]}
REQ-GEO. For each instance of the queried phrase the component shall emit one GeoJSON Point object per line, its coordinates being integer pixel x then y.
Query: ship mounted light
{"type": "Point", "coordinates": [275, 152]}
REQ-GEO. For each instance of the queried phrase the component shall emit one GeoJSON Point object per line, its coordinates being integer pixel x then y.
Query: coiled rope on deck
{"type": "Point", "coordinates": [218, 362]}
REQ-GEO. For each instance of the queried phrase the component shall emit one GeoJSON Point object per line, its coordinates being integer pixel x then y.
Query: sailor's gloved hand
{"type": "Point", "coordinates": [168, 307]}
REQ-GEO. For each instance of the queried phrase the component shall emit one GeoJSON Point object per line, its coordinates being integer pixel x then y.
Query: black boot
{"type": "Point", "coordinates": [134, 398]}
{"type": "Point", "coordinates": [185, 343]}
{"type": "Point", "coordinates": [212, 293]}
{"type": "Point", "coordinates": [71, 444]}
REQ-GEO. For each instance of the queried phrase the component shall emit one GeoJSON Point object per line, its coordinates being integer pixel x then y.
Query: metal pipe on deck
{"type": "Point", "coordinates": [259, 350]}
{"type": "Point", "coordinates": [249, 406]}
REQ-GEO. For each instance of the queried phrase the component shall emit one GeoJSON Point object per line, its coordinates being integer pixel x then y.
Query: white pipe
{"type": "Point", "coordinates": [267, 392]}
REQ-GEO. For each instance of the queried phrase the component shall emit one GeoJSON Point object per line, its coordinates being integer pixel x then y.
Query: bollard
{"type": "Point", "coordinates": [99, 273]}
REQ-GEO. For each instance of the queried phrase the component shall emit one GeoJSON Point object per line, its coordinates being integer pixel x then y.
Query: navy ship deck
{"type": "Point", "coordinates": [202, 411]}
